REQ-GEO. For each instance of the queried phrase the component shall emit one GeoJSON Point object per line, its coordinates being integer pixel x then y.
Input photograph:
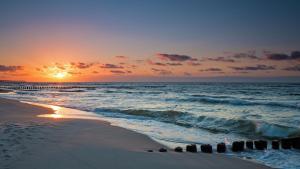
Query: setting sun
{"type": "Point", "coordinates": [60, 75]}
{"type": "Point", "coordinates": [57, 71]}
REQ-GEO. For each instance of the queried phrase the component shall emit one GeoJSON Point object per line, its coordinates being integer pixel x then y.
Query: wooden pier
{"type": "Point", "coordinates": [33, 87]}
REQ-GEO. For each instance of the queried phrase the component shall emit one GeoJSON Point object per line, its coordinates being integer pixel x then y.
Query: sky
{"type": "Point", "coordinates": [153, 40]}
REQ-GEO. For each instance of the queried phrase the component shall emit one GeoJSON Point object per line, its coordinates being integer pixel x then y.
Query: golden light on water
{"type": "Point", "coordinates": [55, 108]}
{"type": "Point", "coordinates": [56, 114]}
{"type": "Point", "coordinates": [66, 113]}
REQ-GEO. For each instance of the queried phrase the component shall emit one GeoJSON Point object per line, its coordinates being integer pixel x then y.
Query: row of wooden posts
{"type": "Point", "coordinates": [238, 146]}
{"type": "Point", "coordinates": [34, 87]}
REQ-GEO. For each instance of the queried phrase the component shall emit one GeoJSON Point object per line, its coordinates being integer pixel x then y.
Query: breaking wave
{"type": "Point", "coordinates": [239, 102]}
{"type": "Point", "coordinates": [213, 124]}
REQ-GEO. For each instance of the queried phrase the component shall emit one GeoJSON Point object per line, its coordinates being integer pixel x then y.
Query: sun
{"type": "Point", "coordinates": [60, 75]}
{"type": "Point", "coordinates": [58, 72]}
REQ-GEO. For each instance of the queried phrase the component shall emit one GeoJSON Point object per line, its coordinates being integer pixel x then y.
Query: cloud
{"type": "Point", "coordinates": [121, 57]}
{"type": "Point", "coordinates": [4, 68]}
{"type": "Point", "coordinates": [74, 73]}
{"type": "Point", "coordinates": [163, 64]}
{"type": "Point", "coordinates": [292, 68]}
{"type": "Point", "coordinates": [162, 71]}
{"type": "Point", "coordinates": [150, 62]}
{"type": "Point", "coordinates": [295, 55]}
{"type": "Point", "coordinates": [156, 70]}
{"type": "Point", "coordinates": [81, 65]}
{"type": "Point", "coordinates": [111, 66]}
{"type": "Point", "coordinates": [211, 70]}
{"type": "Point", "coordinates": [69, 68]}
{"type": "Point", "coordinates": [234, 57]}
{"type": "Point", "coordinates": [278, 56]}
{"type": "Point", "coordinates": [220, 59]}
{"type": "Point", "coordinates": [174, 64]}
{"type": "Point", "coordinates": [187, 74]}
{"type": "Point", "coordinates": [194, 63]}
{"type": "Point", "coordinates": [133, 66]}
{"type": "Point", "coordinates": [61, 66]}
{"type": "Point", "coordinates": [158, 64]}
{"type": "Point", "coordinates": [175, 57]}
{"type": "Point", "coordinates": [241, 72]}
{"type": "Point", "coordinates": [118, 71]}
{"type": "Point", "coordinates": [253, 68]}
{"type": "Point", "coordinates": [95, 72]}
{"type": "Point", "coordinates": [249, 55]}
{"type": "Point", "coordinates": [140, 61]}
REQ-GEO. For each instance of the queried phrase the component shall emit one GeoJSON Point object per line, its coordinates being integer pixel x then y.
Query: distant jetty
{"type": "Point", "coordinates": [11, 85]}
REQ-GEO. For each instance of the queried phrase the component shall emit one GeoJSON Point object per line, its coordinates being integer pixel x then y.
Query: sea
{"type": "Point", "coordinates": [177, 114]}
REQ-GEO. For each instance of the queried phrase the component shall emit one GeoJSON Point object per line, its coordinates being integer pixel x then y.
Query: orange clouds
{"type": "Point", "coordinates": [111, 66]}
{"type": "Point", "coordinates": [4, 68]}
{"type": "Point", "coordinates": [65, 71]}
{"type": "Point", "coordinates": [175, 65]}
{"type": "Point", "coordinates": [175, 57]}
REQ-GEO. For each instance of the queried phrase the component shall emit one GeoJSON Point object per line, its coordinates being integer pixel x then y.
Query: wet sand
{"type": "Point", "coordinates": [4, 91]}
{"type": "Point", "coordinates": [28, 142]}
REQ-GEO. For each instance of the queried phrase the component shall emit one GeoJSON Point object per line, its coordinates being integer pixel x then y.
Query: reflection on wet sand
{"type": "Point", "coordinates": [61, 112]}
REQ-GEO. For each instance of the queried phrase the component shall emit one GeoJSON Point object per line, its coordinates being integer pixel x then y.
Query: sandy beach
{"type": "Point", "coordinates": [5, 91]}
{"type": "Point", "coordinates": [28, 142]}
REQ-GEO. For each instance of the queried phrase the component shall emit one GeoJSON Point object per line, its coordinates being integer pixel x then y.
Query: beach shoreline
{"type": "Point", "coordinates": [5, 91]}
{"type": "Point", "coordinates": [73, 143]}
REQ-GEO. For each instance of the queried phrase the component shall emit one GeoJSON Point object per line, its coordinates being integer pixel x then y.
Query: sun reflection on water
{"type": "Point", "coordinates": [66, 113]}
{"type": "Point", "coordinates": [56, 115]}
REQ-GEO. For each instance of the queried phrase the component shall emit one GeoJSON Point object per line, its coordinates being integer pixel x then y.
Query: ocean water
{"type": "Point", "coordinates": [182, 113]}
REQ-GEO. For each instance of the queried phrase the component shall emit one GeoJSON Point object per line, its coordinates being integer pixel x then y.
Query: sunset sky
{"type": "Point", "coordinates": [139, 40]}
